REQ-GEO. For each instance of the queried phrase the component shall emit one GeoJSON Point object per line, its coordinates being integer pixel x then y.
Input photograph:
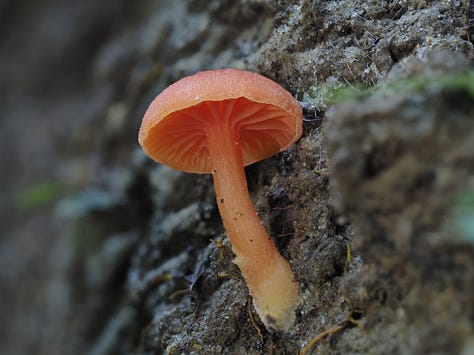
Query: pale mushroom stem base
{"type": "Point", "coordinates": [268, 275]}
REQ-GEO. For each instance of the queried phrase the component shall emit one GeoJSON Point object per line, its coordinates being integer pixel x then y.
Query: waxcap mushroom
{"type": "Point", "coordinates": [268, 116]}
{"type": "Point", "coordinates": [217, 122]}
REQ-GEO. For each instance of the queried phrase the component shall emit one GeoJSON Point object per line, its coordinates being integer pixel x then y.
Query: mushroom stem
{"type": "Point", "coordinates": [269, 277]}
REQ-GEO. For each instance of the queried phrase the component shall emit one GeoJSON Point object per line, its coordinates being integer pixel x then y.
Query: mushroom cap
{"type": "Point", "coordinates": [175, 129]}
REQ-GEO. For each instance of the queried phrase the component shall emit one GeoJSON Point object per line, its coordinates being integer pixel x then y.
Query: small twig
{"type": "Point", "coordinates": [252, 320]}
{"type": "Point", "coordinates": [271, 349]}
{"type": "Point", "coordinates": [283, 208]}
{"type": "Point", "coordinates": [179, 293]}
{"type": "Point", "coordinates": [348, 257]}
{"type": "Point", "coordinates": [351, 320]}
{"type": "Point", "coordinates": [219, 245]}
{"type": "Point", "coordinates": [228, 275]}
{"type": "Point", "coordinates": [321, 336]}
{"type": "Point", "coordinates": [284, 235]}
{"type": "Point", "coordinates": [348, 253]}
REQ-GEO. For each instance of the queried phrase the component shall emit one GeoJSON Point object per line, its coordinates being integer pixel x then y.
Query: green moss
{"type": "Point", "coordinates": [327, 94]}
{"type": "Point", "coordinates": [39, 195]}
{"type": "Point", "coordinates": [460, 81]}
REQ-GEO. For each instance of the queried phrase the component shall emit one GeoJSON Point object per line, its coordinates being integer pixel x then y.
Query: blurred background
{"type": "Point", "coordinates": [65, 69]}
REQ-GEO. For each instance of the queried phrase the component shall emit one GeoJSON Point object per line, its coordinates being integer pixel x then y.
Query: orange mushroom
{"type": "Point", "coordinates": [217, 122]}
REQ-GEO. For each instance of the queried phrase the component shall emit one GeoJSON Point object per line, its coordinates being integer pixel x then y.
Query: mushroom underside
{"type": "Point", "coordinates": [180, 140]}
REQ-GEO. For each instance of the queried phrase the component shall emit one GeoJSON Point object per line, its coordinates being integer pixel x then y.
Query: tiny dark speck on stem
{"type": "Point", "coordinates": [222, 200]}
